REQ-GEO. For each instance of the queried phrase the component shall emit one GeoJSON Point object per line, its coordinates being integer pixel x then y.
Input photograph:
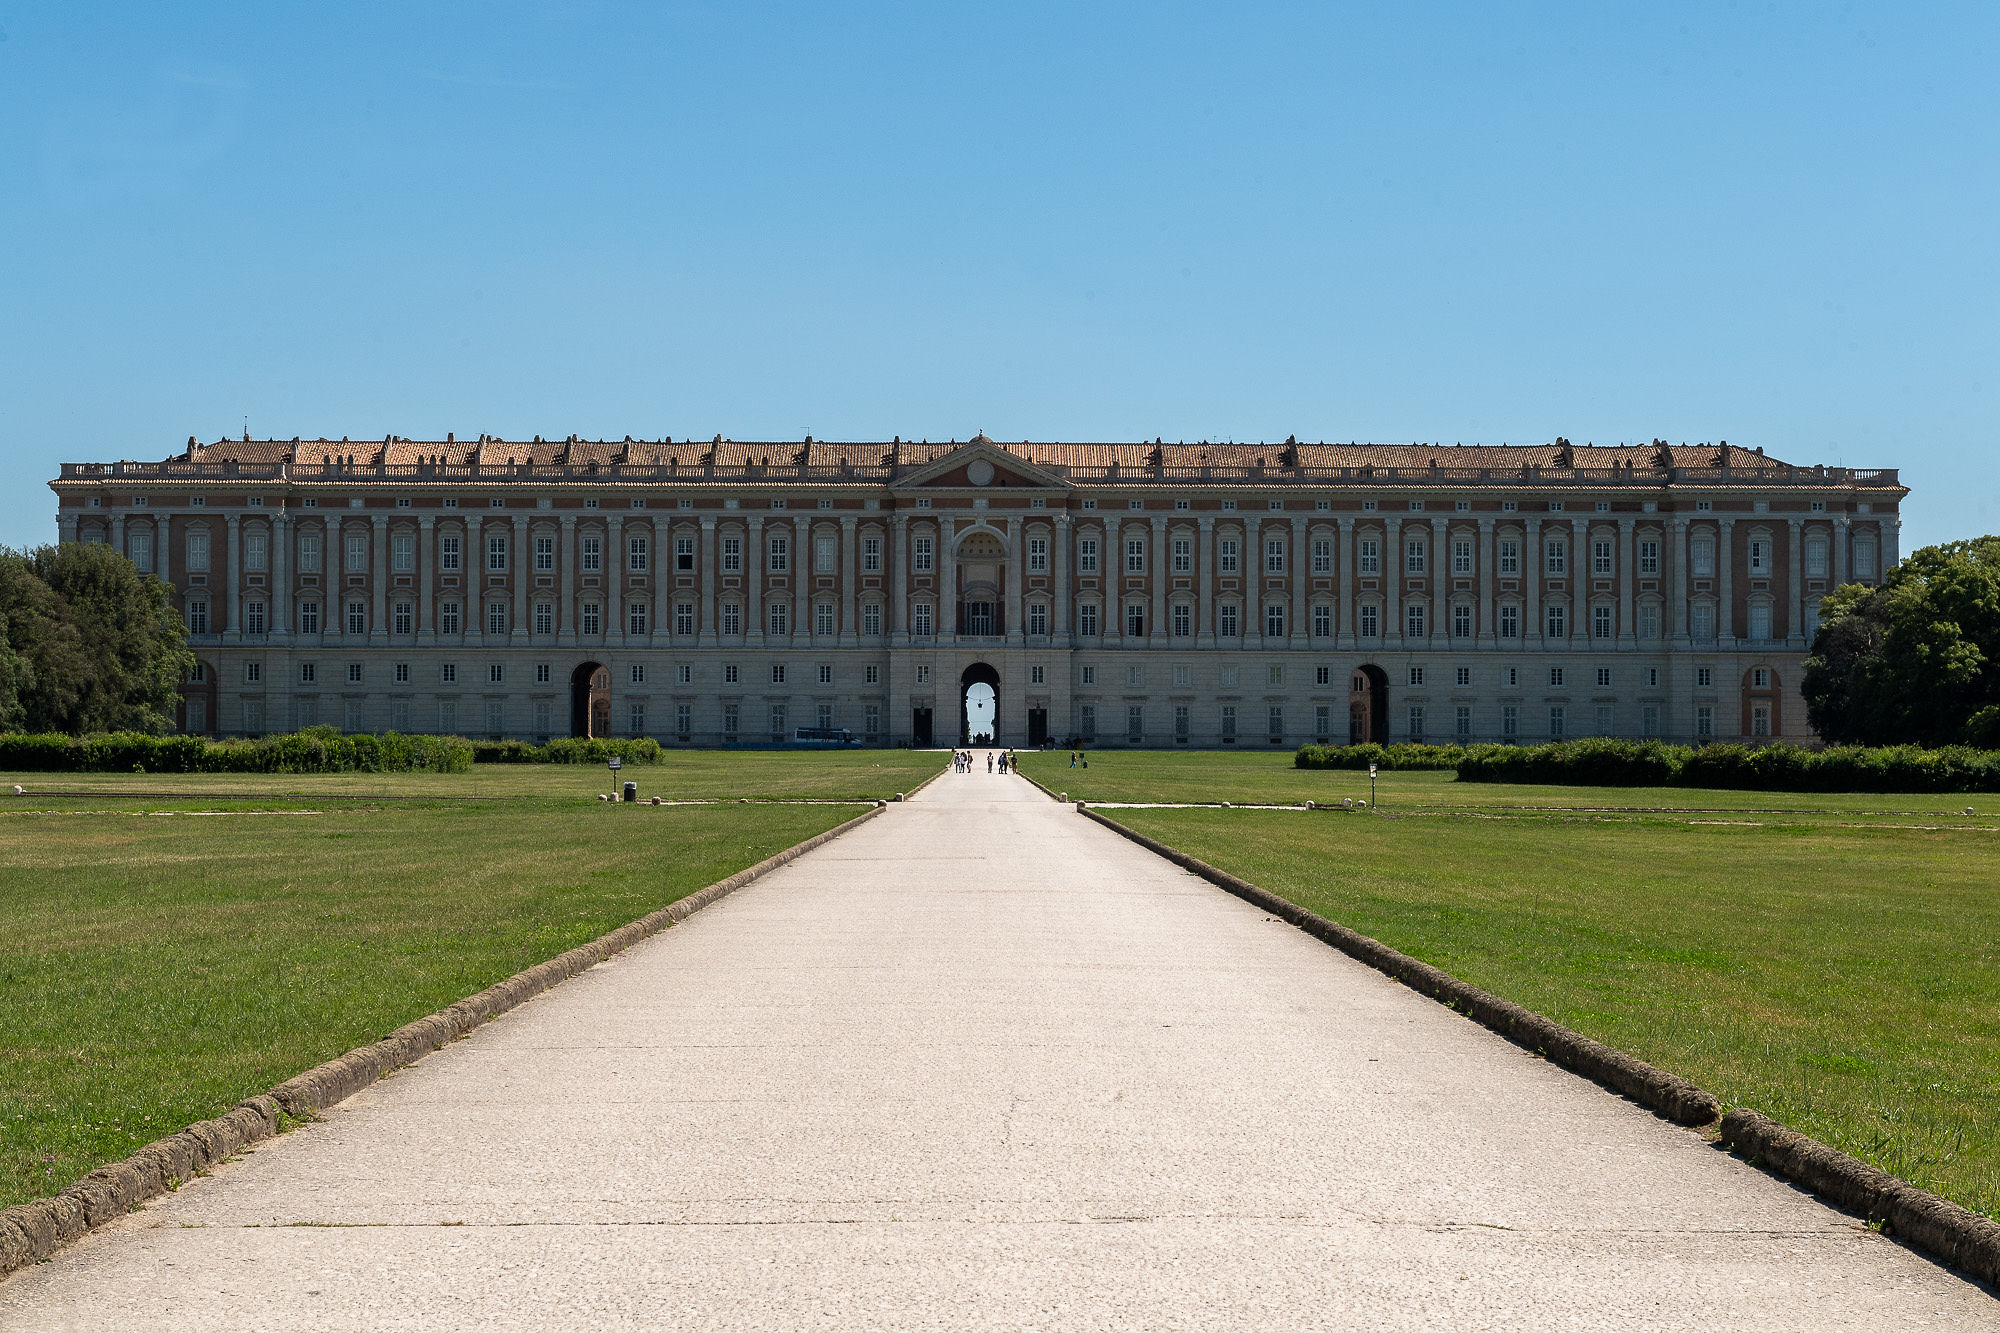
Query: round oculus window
{"type": "Point", "coordinates": [979, 472]}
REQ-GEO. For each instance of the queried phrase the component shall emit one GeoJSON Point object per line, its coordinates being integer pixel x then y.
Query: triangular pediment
{"type": "Point", "coordinates": [979, 464]}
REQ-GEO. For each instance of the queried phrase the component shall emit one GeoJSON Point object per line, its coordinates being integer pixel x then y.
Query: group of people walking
{"type": "Point", "coordinates": [963, 761]}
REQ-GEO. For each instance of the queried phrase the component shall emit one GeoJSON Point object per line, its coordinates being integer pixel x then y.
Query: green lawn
{"type": "Point", "coordinates": [1264, 777]}
{"type": "Point", "coordinates": [684, 775]}
{"type": "Point", "coordinates": [1843, 979]}
{"type": "Point", "coordinates": [156, 968]}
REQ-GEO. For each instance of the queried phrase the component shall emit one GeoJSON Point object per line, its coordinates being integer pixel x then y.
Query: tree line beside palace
{"type": "Point", "coordinates": [88, 645]}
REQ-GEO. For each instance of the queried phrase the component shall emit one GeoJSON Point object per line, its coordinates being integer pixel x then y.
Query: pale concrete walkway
{"type": "Point", "coordinates": [983, 1064]}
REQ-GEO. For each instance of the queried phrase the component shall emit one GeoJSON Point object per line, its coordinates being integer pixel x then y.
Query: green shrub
{"type": "Point", "coordinates": [1612, 763]}
{"type": "Point", "coordinates": [314, 750]}
{"type": "Point", "coordinates": [568, 750]}
{"type": "Point", "coordinates": [1386, 757]}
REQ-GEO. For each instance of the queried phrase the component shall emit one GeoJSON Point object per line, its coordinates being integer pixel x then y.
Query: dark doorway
{"type": "Point", "coordinates": [1368, 706]}
{"type": "Point", "coordinates": [1038, 726]}
{"type": "Point", "coordinates": [590, 700]}
{"type": "Point", "coordinates": [920, 728]}
{"type": "Point", "coordinates": [979, 712]}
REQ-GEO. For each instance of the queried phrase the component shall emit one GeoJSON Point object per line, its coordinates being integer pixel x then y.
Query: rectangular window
{"type": "Point", "coordinates": [1322, 621]}
{"type": "Point", "coordinates": [1510, 556]}
{"type": "Point", "coordinates": [823, 618]}
{"type": "Point", "coordinates": [1086, 620]}
{"type": "Point", "coordinates": [1760, 719]}
{"type": "Point", "coordinates": [1760, 555]}
{"type": "Point", "coordinates": [1555, 678]}
{"type": "Point", "coordinates": [1704, 677]}
{"type": "Point", "coordinates": [403, 618]}
{"type": "Point", "coordinates": [871, 675]}
{"type": "Point", "coordinates": [496, 617]}
{"type": "Point", "coordinates": [683, 618]}
{"type": "Point", "coordinates": [1760, 620]}
{"type": "Point", "coordinates": [1274, 556]}
{"type": "Point", "coordinates": [448, 618]}
{"type": "Point", "coordinates": [1086, 555]}
{"type": "Point", "coordinates": [1600, 622]}
{"type": "Point", "coordinates": [256, 552]}
{"type": "Point", "coordinates": [593, 553]}
{"type": "Point", "coordinates": [1701, 555]}
{"type": "Point", "coordinates": [1510, 622]}
{"type": "Point", "coordinates": [1086, 721]}
{"type": "Point", "coordinates": [684, 674]}
{"type": "Point", "coordinates": [197, 551]}
{"type": "Point", "coordinates": [1322, 722]}
{"type": "Point", "coordinates": [637, 550]}
{"type": "Point", "coordinates": [871, 555]}
{"type": "Point", "coordinates": [920, 620]}
{"type": "Point", "coordinates": [683, 722]}
{"type": "Point", "coordinates": [1038, 555]}
{"type": "Point", "coordinates": [1135, 723]}
{"type": "Point", "coordinates": [1557, 555]}
{"type": "Point", "coordinates": [1225, 617]}
{"type": "Point", "coordinates": [1461, 721]}
{"type": "Point", "coordinates": [825, 552]}
{"type": "Point", "coordinates": [496, 674]}
{"type": "Point", "coordinates": [357, 552]}
{"type": "Point", "coordinates": [778, 729]}
{"type": "Point", "coordinates": [448, 716]}
{"type": "Point", "coordinates": [1183, 724]}
{"type": "Point", "coordinates": [1274, 724]}
{"type": "Point", "coordinates": [197, 617]}
{"type": "Point", "coordinates": [871, 619]}
{"type": "Point", "coordinates": [732, 718]}
{"type": "Point", "coordinates": [1371, 622]}
{"type": "Point", "coordinates": [1371, 556]}
{"type": "Point", "coordinates": [1510, 721]}
{"type": "Point", "coordinates": [777, 673]}
{"type": "Point", "coordinates": [1413, 620]}
{"type": "Point", "coordinates": [778, 618]}
{"type": "Point", "coordinates": [731, 675]}
{"type": "Point", "coordinates": [732, 555]}
{"type": "Point", "coordinates": [357, 617]}
{"type": "Point", "coordinates": [1704, 620]}
{"type": "Point", "coordinates": [1649, 721]}
{"type": "Point", "coordinates": [590, 618]}
{"type": "Point", "coordinates": [1229, 724]}
{"type": "Point", "coordinates": [545, 617]}
{"type": "Point", "coordinates": [1605, 722]}
{"type": "Point", "coordinates": [1274, 621]}
{"type": "Point", "coordinates": [1649, 556]}
{"type": "Point", "coordinates": [684, 555]}
{"type": "Point", "coordinates": [1135, 555]}
{"type": "Point", "coordinates": [825, 673]}
{"type": "Point", "coordinates": [545, 554]}
{"type": "Point", "coordinates": [1558, 622]}
{"type": "Point", "coordinates": [1704, 721]}
{"type": "Point", "coordinates": [1816, 548]}
{"type": "Point", "coordinates": [1461, 556]}
{"type": "Point", "coordinates": [1089, 675]}
{"type": "Point", "coordinates": [779, 550]}
{"type": "Point", "coordinates": [448, 673]}
{"type": "Point", "coordinates": [448, 553]}
{"type": "Point", "coordinates": [1416, 676]}
{"type": "Point", "coordinates": [1038, 618]}
{"type": "Point", "coordinates": [1461, 621]}
{"type": "Point", "coordinates": [308, 553]}
{"type": "Point", "coordinates": [1464, 676]}
{"type": "Point", "coordinates": [1416, 723]}
{"type": "Point", "coordinates": [825, 713]}
{"type": "Point", "coordinates": [543, 673]}
{"type": "Point", "coordinates": [1135, 619]}
{"type": "Point", "coordinates": [1600, 558]}
{"type": "Point", "coordinates": [1322, 555]}
{"type": "Point", "coordinates": [635, 618]}
{"type": "Point", "coordinates": [1183, 620]}
{"type": "Point", "coordinates": [1604, 678]}
{"type": "Point", "coordinates": [871, 720]}
{"type": "Point", "coordinates": [1558, 722]}
{"type": "Point", "coordinates": [636, 717]}
{"type": "Point", "coordinates": [496, 555]}
{"type": "Point", "coordinates": [1413, 556]}
{"type": "Point", "coordinates": [140, 543]}
{"type": "Point", "coordinates": [1226, 557]}
{"type": "Point", "coordinates": [1649, 620]}
{"type": "Point", "coordinates": [920, 558]}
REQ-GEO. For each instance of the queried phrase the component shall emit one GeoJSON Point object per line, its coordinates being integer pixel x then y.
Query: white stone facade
{"type": "Point", "coordinates": [1165, 595]}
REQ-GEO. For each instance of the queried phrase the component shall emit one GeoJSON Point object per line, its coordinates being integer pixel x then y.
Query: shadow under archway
{"type": "Point", "coordinates": [1368, 706]}
{"type": "Point", "coordinates": [590, 700]}
{"type": "Point", "coordinates": [979, 673]}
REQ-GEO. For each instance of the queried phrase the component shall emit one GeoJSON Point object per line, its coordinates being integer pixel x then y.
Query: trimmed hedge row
{"type": "Point", "coordinates": [1613, 763]}
{"type": "Point", "coordinates": [567, 750]}
{"type": "Point", "coordinates": [1386, 757]}
{"type": "Point", "coordinates": [314, 750]}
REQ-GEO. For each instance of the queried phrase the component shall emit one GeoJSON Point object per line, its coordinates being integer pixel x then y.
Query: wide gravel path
{"type": "Point", "coordinates": [983, 1064]}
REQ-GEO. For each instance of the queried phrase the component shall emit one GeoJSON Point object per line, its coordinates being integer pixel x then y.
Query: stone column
{"type": "Point", "coordinates": [281, 575]}
{"type": "Point", "coordinates": [1677, 601]}
{"type": "Point", "coordinates": [1253, 586]}
{"type": "Point", "coordinates": [1344, 628]}
{"type": "Point", "coordinates": [1486, 565]}
{"type": "Point", "coordinates": [663, 581]}
{"type": "Point", "coordinates": [1160, 574]}
{"type": "Point", "coordinates": [1204, 583]}
{"type": "Point", "coordinates": [850, 563]}
{"type": "Point", "coordinates": [378, 576]}
{"type": "Point", "coordinates": [425, 576]}
{"type": "Point", "coordinates": [1063, 632]}
{"type": "Point", "coordinates": [1392, 582]}
{"type": "Point", "coordinates": [802, 577]}
{"type": "Point", "coordinates": [898, 575]}
{"type": "Point", "coordinates": [1301, 572]}
{"type": "Point", "coordinates": [1628, 583]}
{"type": "Point", "coordinates": [614, 579]}
{"type": "Point", "coordinates": [1532, 564]}
{"type": "Point", "coordinates": [706, 609]}
{"type": "Point", "coordinates": [233, 626]}
{"type": "Point", "coordinates": [947, 580]}
{"type": "Point", "coordinates": [1795, 596]}
{"type": "Point", "coordinates": [159, 543]}
{"type": "Point", "coordinates": [1725, 583]}
{"type": "Point", "coordinates": [1017, 592]}
{"type": "Point", "coordinates": [1440, 582]}
{"type": "Point", "coordinates": [66, 524]}
{"type": "Point", "coordinates": [1840, 536]}
{"type": "Point", "coordinates": [333, 607]}
{"type": "Point", "coordinates": [753, 581]}
{"type": "Point", "coordinates": [1892, 537]}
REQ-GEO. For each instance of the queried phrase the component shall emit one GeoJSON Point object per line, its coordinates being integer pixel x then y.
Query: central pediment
{"type": "Point", "coordinates": [979, 464]}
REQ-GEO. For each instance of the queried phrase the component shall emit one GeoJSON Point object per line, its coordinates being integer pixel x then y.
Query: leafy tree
{"type": "Point", "coordinates": [1916, 659]}
{"type": "Point", "coordinates": [94, 646]}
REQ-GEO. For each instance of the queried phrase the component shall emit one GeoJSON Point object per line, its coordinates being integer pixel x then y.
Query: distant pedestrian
{"type": "Point", "coordinates": [989, 764]}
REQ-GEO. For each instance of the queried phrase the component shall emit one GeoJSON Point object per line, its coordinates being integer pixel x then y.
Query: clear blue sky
{"type": "Point", "coordinates": [1778, 225]}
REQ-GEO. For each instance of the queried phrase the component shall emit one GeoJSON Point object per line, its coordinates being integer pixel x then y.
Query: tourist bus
{"type": "Point", "coordinates": [823, 736]}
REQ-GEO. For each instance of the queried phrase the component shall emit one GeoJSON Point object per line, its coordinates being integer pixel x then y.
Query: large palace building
{"type": "Point", "coordinates": [716, 592]}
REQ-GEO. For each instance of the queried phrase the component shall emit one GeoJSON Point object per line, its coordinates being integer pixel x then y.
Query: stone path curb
{"type": "Point", "coordinates": [1926, 1222]}
{"type": "Point", "coordinates": [1670, 1095]}
{"type": "Point", "coordinates": [1922, 1220]}
{"type": "Point", "coordinates": [32, 1231]}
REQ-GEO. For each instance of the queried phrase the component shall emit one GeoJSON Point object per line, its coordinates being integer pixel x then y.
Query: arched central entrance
{"type": "Point", "coordinates": [981, 704]}
{"type": "Point", "coordinates": [590, 700]}
{"type": "Point", "coordinates": [1368, 706]}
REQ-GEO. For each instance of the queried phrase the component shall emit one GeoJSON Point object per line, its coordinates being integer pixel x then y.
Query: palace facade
{"type": "Point", "coordinates": [1200, 595]}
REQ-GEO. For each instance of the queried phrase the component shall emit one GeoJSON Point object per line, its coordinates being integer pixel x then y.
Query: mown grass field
{"type": "Point", "coordinates": [164, 955]}
{"type": "Point", "coordinates": [1264, 777]}
{"type": "Point", "coordinates": [1835, 970]}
